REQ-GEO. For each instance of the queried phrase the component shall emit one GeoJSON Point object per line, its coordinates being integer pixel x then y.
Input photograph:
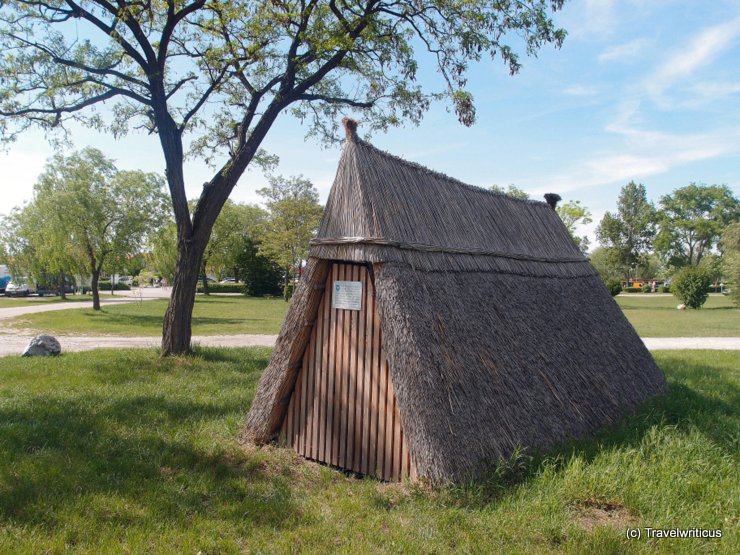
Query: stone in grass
{"type": "Point", "coordinates": [42, 346]}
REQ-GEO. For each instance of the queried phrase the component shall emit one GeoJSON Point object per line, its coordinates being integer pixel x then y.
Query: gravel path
{"type": "Point", "coordinates": [12, 344]}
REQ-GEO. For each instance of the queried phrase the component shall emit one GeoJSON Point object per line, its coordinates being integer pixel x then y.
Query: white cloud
{"type": "Point", "coordinates": [624, 52]}
{"type": "Point", "coordinates": [646, 153]}
{"type": "Point", "coordinates": [701, 50]}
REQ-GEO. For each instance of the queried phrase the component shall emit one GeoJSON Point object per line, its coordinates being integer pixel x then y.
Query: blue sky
{"type": "Point", "coordinates": [644, 90]}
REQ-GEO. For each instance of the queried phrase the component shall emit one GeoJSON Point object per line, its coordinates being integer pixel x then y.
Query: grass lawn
{"type": "Point", "coordinates": [213, 315]}
{"type": "Point", "coordinates": [121, 451]}
{"type": "Point", "coordinates": [655, 315]}
{"type": "Point", "coordinates": [8, 302]}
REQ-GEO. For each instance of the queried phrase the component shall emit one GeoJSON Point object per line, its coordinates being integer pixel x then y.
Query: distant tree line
{"type": "Point", "coordinates": [88, 218]}
{"type": "Point", "coordinates": [693, 236]}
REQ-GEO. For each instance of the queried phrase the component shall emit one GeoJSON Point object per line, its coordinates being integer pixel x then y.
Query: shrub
{"type": "Point", "coordinates": [647, 288]}
{"type": "Point", "coordinates": [223, 288]}
{"type": "Point", "coordinates": [691, 286]}
{"type": "Point", "coordinates": [105, 286]}
{"type": "Point", "coordinates": [614, 286]}
{"type": "Point", "coordinates": [632, 290]}
{"type": "Point", "coordinates": [664, 289]}
{"type": "Point", "coordinates": [288, 290]}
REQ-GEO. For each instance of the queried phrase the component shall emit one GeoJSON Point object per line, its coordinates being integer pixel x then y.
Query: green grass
{"type": "Point", "coordinates": [125, 452]}
{"type": "Point", "coordinates": [655, 315]}
{"type": "Point", "coordinates": [652, 315]}
{"type": "Point", "coordinates": [212, 315]}
{"type": "Point", "coordinates": [8, 302]}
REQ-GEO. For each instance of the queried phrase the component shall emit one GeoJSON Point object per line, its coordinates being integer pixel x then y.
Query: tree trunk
{"type": "Point", "coordinates": [94, 287]}
{"type": "Point", "coordinates": [61, 282]}
{"type": "Point", "coordinates": [205, 279]}
{"type": "Point", "coordinates": [176, 330]}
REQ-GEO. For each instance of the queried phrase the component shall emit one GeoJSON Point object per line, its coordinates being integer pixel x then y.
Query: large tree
{"type": "Point", "coordinates": [101, 214]}
{"type": "Point", "coordinates": [215, 75]}
{"type": "Point", "coordinates": [574, 215]}
{"type": "Point", "coordinates": [294, 217]}
{"type": "Point", "coordinates": [629, 232]}
{"type": "Point", "coordinates": [692, 220]}
{"type": "Point", "coordinates": [235, 223]}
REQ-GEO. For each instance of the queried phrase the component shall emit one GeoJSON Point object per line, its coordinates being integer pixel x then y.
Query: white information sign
{"type": "Point", "coordinates": [347, 295]}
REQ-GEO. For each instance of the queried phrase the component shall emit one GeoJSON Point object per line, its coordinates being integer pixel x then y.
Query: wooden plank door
{"type": "Point", "coordinates": [343, 410]}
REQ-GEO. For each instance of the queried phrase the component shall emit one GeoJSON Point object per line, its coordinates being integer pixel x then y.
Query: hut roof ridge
{"type": "Point", "coordinates": [438, 174]}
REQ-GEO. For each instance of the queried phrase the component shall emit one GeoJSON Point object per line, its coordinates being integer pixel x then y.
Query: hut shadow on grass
{"type": "Point", "coordinates": [681, 407]}
{"type": "Point", "coordinates": [110, 463]}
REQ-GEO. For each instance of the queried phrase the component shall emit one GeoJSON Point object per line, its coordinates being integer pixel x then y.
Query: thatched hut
{"type": "Point", "coordinates": [439, 327]}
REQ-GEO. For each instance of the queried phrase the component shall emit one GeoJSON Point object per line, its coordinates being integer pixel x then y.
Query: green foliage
{"type": "Point", "coordinates": [511, 191]}
{"type": "Point", "coordinates": [236, 223]}
{"type": "Point", "coordinates": [629, 232]}
{"type": "Point", "coordinates": [85, 216]}
{"type": "Point", "coordinates": [105, 286]}
{"type": "Point", "coordinates": [664, 289]}
{"type": "Point", "coordinates": [646, 288]}
{"type": "Point", "coordinates": [691, 286]}
{"type": "Point", "coordinates": [288, 290]}
{"type": "Point", "coordinates": [614, 286]}
{"type": "Point", "coordinates": [731, 249]}
{"type": "Point", "coordinates": [295, 214]}
{"type": "Point", "coordinates": [162, 252]}
{"type": "Point", "coordinates": [217, 76]}
{"type": "Point", "coordinates": [574, 215]}
{"type": "Point", "coordinates": [223, 288]}
{"type": "Point", "coordinates": [261, 275]}
{"type": "Point", "coordinates": [692, 221]}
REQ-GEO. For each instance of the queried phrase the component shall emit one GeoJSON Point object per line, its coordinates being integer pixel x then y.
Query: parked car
{"type": "Point", "coordinates": [228, 280]}
{"type": "Point", "coordinates": [19, 288]}
{"type": "Point", "coordinates": [4, 283]}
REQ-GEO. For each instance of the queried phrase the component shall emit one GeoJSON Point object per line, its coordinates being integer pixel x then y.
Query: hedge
{"type": "Point", "coordinates": [223, 288]}
{"type": "Point", "coordinates": [105, 286]}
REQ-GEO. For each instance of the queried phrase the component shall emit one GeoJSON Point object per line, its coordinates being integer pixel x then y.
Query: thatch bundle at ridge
{"type": "Point", "coordinates": [498, 332]}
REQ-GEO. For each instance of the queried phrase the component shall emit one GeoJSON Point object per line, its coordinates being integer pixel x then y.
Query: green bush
{"type": "Point", "coordinates": [614, 286]}
{"type": "Point", "coordinates": [691, 286]}
{"type": "Point", "coordinates": [664, 289]}
{"type": "Point", "coordinates": [105, 286]}
{"type": "Point", "coordinates": [223, 288]}
{"type": "Point", "coordinates": [288, 290]}
{"type": "Point", "coordinates": [647, 288]}
{"type": "Point", "coordinates": [632, 290]}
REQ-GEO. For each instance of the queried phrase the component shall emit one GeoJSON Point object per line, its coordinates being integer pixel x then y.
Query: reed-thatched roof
{"type": "Point", "coordinates": [498, 332]}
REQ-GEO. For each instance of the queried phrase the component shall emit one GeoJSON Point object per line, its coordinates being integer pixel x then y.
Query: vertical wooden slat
{"type": "Point", "coordinates": [388, 447]}
{"type": "Point", "coordinates": [308, 361]}
{"type": "Point", "coordinates": [396, 435]}
{"type": "Point", "coordinates": [404, 456]}
{"type": "Point", "coordinates": [351, 369]}
{"type": "Point", "coordinates": [382, 415]}
{"type": "Point", "coordinates": [360, 400]}
{"type": "Point", "coordinates": [330, 372]}
{"type": "Point", "coordinates": [374, 395]}
{"type": "Point", "coordinates": [323, 375]}
{"type": "Point", "coordinates": [302, 407]}
{"type": "Point", "coordinates": [289, 421]}
{"type": "Point", "coordinates": [345, 377]}
{"type": "Point", "coordinates": [366, 466]}
{"type": "Point", "coordinates": [316, 375]}
{"type": "Point", "coordinates": [296, 409]}
{"type": "Point", "coordinates": [339, 348]}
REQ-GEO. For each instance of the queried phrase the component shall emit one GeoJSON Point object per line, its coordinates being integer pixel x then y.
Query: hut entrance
{"type": "Point", "coordinates": [343, 410]}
